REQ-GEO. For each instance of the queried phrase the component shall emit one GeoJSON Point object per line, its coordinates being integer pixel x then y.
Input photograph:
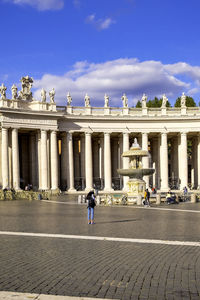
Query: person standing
{"type": "Point", "coordinates": [91, 205]}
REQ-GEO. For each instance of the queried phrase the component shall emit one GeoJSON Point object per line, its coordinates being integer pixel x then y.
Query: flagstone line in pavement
{"type": "Point", "coordinates": [28, 296]}
{"type": "Point", "coordinates": [99, 238]}
{"type": "Point", "coordinates": [138, 207]}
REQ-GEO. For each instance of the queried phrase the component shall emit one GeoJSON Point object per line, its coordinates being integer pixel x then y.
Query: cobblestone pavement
{"type": "Point", "coordinates": [100, 269]}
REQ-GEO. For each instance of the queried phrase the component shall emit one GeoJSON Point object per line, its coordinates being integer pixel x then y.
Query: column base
{"type": "Point", "coordinates": [108, 190]}
{"type": "Point", "coordinates": [71, 190]}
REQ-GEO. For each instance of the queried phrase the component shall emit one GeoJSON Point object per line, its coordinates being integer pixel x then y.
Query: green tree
{"type": "Point", "coordinates": [189, 102]}
{"type": "Point", "coordinates": [139, 104]}
{"type": "Point", "coordinates": [157, 103]}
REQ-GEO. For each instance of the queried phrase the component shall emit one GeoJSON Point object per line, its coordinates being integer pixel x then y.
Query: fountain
{"type": "Point", "coordinates": [136, 185]}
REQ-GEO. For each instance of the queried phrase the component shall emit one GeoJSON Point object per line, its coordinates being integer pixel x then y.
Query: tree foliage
{"type": "Point", "coordinates": [189, 102]}
{"type": "Point", "coordinates": [139, 104]}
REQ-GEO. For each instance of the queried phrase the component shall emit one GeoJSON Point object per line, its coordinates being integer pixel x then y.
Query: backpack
{"type": "Point", "coordinates": [91, 202]}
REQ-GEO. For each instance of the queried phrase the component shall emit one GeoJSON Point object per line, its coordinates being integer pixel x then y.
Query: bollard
{"type": "Point", "coordinates": [98, 200]}
{"type": "Point", "coordinates": [79, 199]}
{"type": "Point", "coordinates": [83, 199]}
{"type": "Point", "coordinates": [193, 198]}
{"type": "Point", "coordinates": [158, 199]}
{"type": "Point", "coordinates": [139, 200]}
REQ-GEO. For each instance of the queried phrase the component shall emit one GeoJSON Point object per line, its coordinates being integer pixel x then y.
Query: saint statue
{"type": "Point", "coordinates": [144, 101]}
{"type": "Point", "coordinates": [52, 95]}
{"type": "Point", "coordinates": [164, 101]}
{"type": "Point", "coordinates": [124, 101]}
{"type": "Point", "coordinates": [87, 101]}
{"type": "Point", "coordinates": [43, 95]}
{"type": "Point", "coordinates": [106, 99]}
{"type": "Point", "coordinates": [25, 93]}
{"type": "Point", "coordinates": [69, 99]}
{"type": "Point", "coordinates": [3, 91]}
{"type": "Point", "coordinates": [14, 92]}
{"type": "Point", "coordinates": [183, 100]}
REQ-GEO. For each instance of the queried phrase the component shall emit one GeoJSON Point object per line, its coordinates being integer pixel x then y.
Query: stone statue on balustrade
{"type": "Point", "coordinates": [25, 93]}
{"type": "Point", "coordinates": [183, 100]}
{"type": "Point", "coordinates": [43, 95]}
{"type": "Point", "coordinates": [3, 91]}
{"type": "Point", "coordinates": [14, 92]}
{"type": "Point", "coordinates": [124, 101]}
{"type": "Point", "coordinates": [52, 95]}
{"type": "Point", "coordinates": [164, 101]}
{"type": "Point", "coordinates": [106, 101]}
{"type": "Point", "coordinates": [69, 99]}
{"type": "Point", "coordinates": [87, 101]}
{"type": "Point", "coordinates": [144, 101]}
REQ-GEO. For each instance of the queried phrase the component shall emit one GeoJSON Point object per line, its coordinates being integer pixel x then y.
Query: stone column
{"type": "Point", "coordinates": [125, 159]}
{"type": "Point", "coordinates": [155, 161]}
{"type": "Point", "coordinates": [174, 160]}
{"type": "Point", "coordinates": [43, 155]}
{"type": "Point", "coordinates": [198, 159]}
{"type": "Point", "coordinates": [194, 168]}
{"type": "Point", "coordinates": [38, 157]}
{"type": "Point", "coordinates": [164, 162]}
{"type": "Point", "coordinates": [101, 161]}
{"type": "Point", "coordinates": [76, 158]}
{"type": "Point", "coordinates": [64, 162]}
{"type": "Point", "coordinates": [15, 159]}
{"type": "Point", "coordinates": [145, 160]}
{"type": "Point", "coordinates": [33, 160]}
{"type": "Point", "coordinates": [107, 163]}
{"type": "Point", "coordinates": [88, 161]}
{"type": "Point", "coordinates": [183, 161]}
{"type": "Point", "coordinates": [54, 160]}
{"type": "Point", "coordinates": [5, 162]}
{"type": "Point", "coordinates": [83, 161]}
{"type": "Point", "coordinates": [70, 175]}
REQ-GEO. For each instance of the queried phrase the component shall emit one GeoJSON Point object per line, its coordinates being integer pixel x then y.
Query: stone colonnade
{"type": "Point", "coordinates": [71, 161]}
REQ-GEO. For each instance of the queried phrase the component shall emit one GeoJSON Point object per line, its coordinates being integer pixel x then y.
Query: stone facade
{"type": "Point", "coordinates": [75, 148]}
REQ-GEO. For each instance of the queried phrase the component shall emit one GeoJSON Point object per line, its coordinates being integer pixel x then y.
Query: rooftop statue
{"type": "Point", "coordinates": [144, 101]}
{"type": "Point", "coordinates": [43, 95]}
{"type": "Point", "coordinates": [164, 101]}
{"type": "Point", "coordinates": [25, 93]}
{"type": "Point", "coordinates": [3, 91]}
{"type": "Point", "coordinates": [69, 99]}
{"type": "Point", "coordinates": [106, 99]}
{"type": "Point", "coordinates": [52, 95]}
{"type": "Point", "coordinates": [87, 101]}
{"type": "Point", "coordinates": [14, 92]}
{"type": "Point", "coordinates": [124, 101]}
{"type": "Point", "coordinates": [183, 100]}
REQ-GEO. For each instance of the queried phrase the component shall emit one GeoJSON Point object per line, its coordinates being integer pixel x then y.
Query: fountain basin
{"type": "Point", "coordinates": [135, 173]}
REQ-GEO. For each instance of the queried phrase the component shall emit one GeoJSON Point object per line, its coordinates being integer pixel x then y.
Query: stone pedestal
{"type": "Point", "coordinates": [136, 188]}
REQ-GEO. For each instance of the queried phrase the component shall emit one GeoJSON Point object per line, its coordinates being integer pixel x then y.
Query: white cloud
{"type": "Point", "coordinates": [114, 78]}
{"type": "Point", "coordinates": [100, 24]}
{"type": "Point", "coordinates": [41, 4]}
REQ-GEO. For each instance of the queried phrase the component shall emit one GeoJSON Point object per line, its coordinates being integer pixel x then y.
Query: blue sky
{"type": "Point", "coordinates": [102, 46]}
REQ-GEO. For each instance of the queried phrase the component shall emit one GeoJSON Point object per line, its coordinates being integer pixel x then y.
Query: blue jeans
{"type": "Point", "coordinates": [90, 213]}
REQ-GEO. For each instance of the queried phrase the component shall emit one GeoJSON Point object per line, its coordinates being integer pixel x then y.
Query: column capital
{"type": "Point", "coordinates": [107, 133]}
{"type": "Point", "coordinates": [145, 132]}
{"type": "Point", "coordinates": [43, 130]}
{"type": "Point", "coordinates": [163, 133]}
{"type": "Point", "coordinates": [88, 133]}
{"type": "Point", "coordinates": [183, 133]}
{"type": "Point", "coordinates": [125, 133]}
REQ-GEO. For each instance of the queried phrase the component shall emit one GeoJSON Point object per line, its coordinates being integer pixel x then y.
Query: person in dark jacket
{"type": "Point", "coordinates": [91, 204]}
